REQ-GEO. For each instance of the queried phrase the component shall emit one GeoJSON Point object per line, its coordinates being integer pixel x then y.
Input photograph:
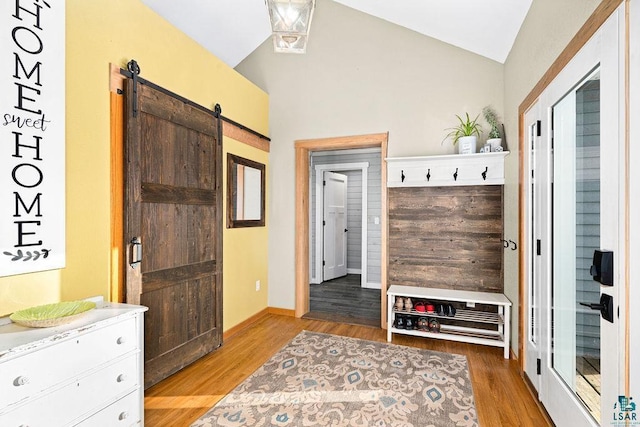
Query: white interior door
{"type": "Point", "coordinates": [576, 205]}
{"type": "Point", "coordinates": [335, 225]}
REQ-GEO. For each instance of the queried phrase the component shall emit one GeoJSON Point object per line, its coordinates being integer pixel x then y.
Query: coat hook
{"type": "Point", "coordinates": [402, 175]}
{"type": "Point", "coordinates": [428, 174]}
{"type": "Point", "coordinates": [505, 244]}
{"type": "Point", "coordinates": [515, 246]}
{"type": "Point", "coordinates": [455, 175]}
{"type": "Point", "coordinates": [484, 174]}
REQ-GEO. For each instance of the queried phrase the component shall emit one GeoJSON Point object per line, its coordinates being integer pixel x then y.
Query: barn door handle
{"type": "Point", "coordinates": [135, 252]}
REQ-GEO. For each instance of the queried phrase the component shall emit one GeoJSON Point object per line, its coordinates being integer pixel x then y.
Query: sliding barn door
{"type": "Point", "coordinates": [173, 227]}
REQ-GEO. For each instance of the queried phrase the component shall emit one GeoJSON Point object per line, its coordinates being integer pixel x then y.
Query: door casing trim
{"type": "Point", "coordinates": [303, 149]}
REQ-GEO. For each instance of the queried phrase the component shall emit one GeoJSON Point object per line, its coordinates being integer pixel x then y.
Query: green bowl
{"type": "Point", "coordinates": [44, 316]}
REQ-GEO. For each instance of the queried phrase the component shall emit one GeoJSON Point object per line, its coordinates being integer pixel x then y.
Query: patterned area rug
{"type": "Point", "coordinates": [327, 380]}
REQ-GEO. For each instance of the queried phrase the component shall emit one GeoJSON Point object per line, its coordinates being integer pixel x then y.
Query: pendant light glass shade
{"type": "Point", "coordinates": [290, 24]}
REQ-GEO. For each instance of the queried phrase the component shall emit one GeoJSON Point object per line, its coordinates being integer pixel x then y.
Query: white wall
{"type": "Point", "coordinates": [374, 206]}
{"type": "Point", "coordinates": [360, 75]}
{"type": "Point", "coordinates": [546, 31]}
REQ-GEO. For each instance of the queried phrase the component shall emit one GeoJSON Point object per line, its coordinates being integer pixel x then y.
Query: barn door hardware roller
{"type": "Point", "coordinates": [134, 69]}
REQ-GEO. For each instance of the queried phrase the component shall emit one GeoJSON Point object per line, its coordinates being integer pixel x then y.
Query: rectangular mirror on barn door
{"type": "Point", "coordinates": [245, 192]}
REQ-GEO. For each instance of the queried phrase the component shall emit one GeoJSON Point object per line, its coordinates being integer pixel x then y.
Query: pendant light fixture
{"type": "Point", "coordinates": [290, 24]}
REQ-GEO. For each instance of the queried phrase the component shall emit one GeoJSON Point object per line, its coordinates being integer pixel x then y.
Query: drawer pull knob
{"type": "Point", "coordinates": [121, 340]}
{"type": "Point", "coordinates": [20, 381]}
{"type": "Point", "coordinates": [121, 378]}
{"type": "Point", "coordinates": [123, 415]}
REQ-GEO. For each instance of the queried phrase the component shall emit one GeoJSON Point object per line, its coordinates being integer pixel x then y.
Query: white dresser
{"type": "Point", "coordinates": [88, 372]}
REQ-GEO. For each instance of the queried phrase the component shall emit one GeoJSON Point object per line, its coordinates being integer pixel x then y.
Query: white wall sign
{"type": "Point", "coordinates": [32, 136]}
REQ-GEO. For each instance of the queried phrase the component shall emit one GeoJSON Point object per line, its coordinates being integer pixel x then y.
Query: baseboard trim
{"type": "Point", "coordinates": [281, 311]}
{"type": "Point", "coordinates": [370, 285]}
{"type": "Point", "coordinates": [240, 326]}
{"type": "Point", "coordinates": [269, 310]}
{"type": "Point", "coordinates": [354, 271]}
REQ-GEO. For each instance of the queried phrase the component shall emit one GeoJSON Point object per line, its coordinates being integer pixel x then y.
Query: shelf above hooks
{"type": "Point", "coordinates": [448, 170]}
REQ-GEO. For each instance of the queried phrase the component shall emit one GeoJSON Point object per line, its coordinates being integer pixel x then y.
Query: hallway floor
{"type": "Point", "coordinates": [343, 300]}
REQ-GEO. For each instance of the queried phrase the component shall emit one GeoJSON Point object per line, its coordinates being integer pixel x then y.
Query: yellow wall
{"type": "Point", "coordinates": [100, 32]}
{"type": "Point", "coordinates": [244, 255]}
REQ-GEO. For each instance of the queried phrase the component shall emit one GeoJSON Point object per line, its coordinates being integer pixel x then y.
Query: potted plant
{"type": "Point", "coordinates": [494, 134]}
{"type": "Point", "coordinates": [466, 133]}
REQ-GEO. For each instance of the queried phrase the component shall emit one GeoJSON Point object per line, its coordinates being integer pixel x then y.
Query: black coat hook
{"type": "Point", "coordinates": [428, 174]}
{"type": "Point", "coordinates": [455, 175]}
{"type": "Point", "coordinates": [509, 244]}
{"type": "Point", "coordinates": [484, 174]}
{"type": "Point", "coordinates": [402, 175]}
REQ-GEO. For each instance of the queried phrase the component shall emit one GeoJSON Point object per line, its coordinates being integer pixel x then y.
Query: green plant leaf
{"type": "Point", "coordinates": [466, 127]}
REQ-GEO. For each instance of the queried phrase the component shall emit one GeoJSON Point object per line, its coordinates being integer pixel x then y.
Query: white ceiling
{"type": "Point", "coordinates": [232, 29]}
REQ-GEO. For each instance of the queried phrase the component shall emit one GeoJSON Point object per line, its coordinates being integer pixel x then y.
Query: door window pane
{"type": "Point", "coordinates": [576, 233]}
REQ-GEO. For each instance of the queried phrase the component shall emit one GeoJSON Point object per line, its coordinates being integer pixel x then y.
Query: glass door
{"type": "Point", "coordinates": [576, 201]}
{"type": "Point", "coordinates": [575, 328]}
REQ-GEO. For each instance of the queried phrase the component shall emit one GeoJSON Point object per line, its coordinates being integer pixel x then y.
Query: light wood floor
{"type": "Point", "coordinates": [502, 398]}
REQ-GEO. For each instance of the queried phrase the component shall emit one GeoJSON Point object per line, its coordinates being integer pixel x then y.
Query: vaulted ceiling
{"type": "Point", "coordinates": [232, 29]}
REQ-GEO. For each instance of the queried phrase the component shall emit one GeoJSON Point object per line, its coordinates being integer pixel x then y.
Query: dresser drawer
{"type": "Point", "coordinates": [79, 398]}
{"type": "Point", "coordinates": [123, 413]}
{"type": "Point", "coordinates": [35, 372]}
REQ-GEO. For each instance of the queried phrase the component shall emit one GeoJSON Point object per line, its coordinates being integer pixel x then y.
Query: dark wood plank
{"type": "Point", "coordinates": [173, 110]}
{"type": "Point", "coordinates": [446, 237]}
{"type": "Point", "coordinates": [162, 278]}
{"type": "Point", "coordinates": [343, 299]}
{"type": "Point", "coordinates": [159, 193]}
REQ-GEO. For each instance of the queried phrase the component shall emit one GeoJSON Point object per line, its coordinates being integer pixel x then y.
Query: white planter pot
{"type": "Point", "coordinates": [494, 143]}
{"type": "Point", "coordinates": [467, 144]}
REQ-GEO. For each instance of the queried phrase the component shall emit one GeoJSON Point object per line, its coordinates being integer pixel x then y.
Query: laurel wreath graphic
{"type": "Point", "coordinates": [28, 255]}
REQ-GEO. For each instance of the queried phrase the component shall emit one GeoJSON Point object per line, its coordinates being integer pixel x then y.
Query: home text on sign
{"type": "Point", "coordinates": [33, 154]}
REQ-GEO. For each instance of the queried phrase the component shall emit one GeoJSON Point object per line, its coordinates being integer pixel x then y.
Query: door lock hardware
{"type": "Point", "coordinates": [605, 306]}
{"type": "Point", "coordinates": [602, 267]}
